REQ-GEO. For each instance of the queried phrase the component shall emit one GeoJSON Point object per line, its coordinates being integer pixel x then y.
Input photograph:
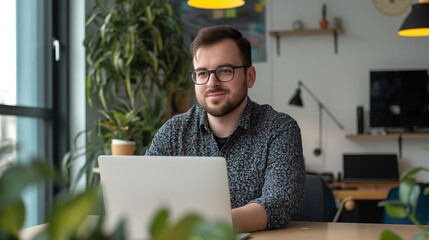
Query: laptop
{"type": "Point", "coordinates": [135, 188]}
{"type": "Point", "coordinates": [370, 168]}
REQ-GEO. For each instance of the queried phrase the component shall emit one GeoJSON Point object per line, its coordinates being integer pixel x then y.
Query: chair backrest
{"type": "Point", "coordinates": [315, 206]}
{"type": "Point", "coordinates": [422, 212]}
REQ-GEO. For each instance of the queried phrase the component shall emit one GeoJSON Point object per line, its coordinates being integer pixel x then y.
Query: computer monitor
{"type": "Point", "coordinates": [370, 168]}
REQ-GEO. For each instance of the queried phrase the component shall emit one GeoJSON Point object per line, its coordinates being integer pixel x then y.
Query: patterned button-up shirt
{"type": "Point", "coordinates": [264, 156]}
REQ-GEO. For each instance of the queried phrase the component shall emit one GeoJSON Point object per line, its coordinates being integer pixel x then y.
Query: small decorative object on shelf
{"type": "Point", "coordinates": [338, 22]}
{"type": "Point", "coordinates": [323, 22]}
{"type": "Point", "coordinates": [298, 25]}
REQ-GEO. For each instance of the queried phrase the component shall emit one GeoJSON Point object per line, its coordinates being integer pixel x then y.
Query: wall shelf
{"type": "Point", "coordinates": [394, 136]}
{"type": "Point", "coordinates": [307, 32]}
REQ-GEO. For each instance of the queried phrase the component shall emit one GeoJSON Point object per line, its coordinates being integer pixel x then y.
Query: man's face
{"type": "Point", "coordinates": [221, 98]}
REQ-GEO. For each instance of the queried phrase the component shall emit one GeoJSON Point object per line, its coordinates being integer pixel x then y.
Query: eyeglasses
{"type": "Point", "coordinates": [223, 73]}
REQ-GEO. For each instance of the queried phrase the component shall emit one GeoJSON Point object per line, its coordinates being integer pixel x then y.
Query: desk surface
{"type": "Point", "coordinates": [308, 230]}
{"type": "Point", "coordinates": [334, 231]}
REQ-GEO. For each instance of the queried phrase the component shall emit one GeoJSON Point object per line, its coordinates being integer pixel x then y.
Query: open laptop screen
{"type": "Point", "coordinates": [370, 168]}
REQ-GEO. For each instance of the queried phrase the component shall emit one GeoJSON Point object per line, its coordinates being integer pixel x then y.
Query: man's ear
{"type": "Point", "coordinates": [251, 76]}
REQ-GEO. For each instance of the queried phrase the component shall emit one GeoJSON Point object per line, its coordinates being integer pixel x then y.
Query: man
{"type": "Point", "coordinates": [262, 147]}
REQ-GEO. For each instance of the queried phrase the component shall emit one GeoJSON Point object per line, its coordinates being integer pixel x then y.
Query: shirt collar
{"type": "Point", "coordinates": [246, 117]}
{"type": "Point", "coordinates": [243, 123]}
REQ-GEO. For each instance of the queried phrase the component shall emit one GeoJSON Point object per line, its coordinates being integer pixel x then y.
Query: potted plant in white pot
{"type": "Point", "coordinates": [123, 129]}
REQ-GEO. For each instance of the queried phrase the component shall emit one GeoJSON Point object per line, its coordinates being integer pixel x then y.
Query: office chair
{"type": "Point", "coordinates": [422, 212]}
{"type": "Point", "coordinates": [315, 205]}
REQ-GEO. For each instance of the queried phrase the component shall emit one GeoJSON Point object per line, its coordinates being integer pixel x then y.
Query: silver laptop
{"type": "Point", "coordinates": [136, 187]}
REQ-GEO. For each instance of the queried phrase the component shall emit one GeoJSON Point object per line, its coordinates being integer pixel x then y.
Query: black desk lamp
{"type": "Point", "coordinates": [297, 101]}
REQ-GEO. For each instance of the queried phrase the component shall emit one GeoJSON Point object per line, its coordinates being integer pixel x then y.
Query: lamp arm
{"type": "Point", "coordinates": [332, 117]}
{"type": "Point", "coordinates": [300, 83]}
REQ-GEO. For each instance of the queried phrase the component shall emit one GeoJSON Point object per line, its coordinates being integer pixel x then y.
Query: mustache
{"type": "Point", "coordinates": [218, 90]}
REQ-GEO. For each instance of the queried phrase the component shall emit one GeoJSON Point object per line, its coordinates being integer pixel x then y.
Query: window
{"type": "Point", "coordinates": [33, 90]}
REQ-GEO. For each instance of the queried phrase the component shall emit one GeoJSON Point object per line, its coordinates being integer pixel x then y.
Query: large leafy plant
{"type": "Point", "coordinates": [406, 206]}
{"type": "Point", "coordinates": [136, 51]}
{"type": "Point", "coordinates": [136, 61]}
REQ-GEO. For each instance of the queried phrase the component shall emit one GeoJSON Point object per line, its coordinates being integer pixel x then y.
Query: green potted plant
{"type": "Point", "coordinates": [406, 206]}
{"type": "Point", "coordinates": [323, 22]}
{"type": "Point", "coordinates": [124, 128]}
{"type": "Point", "coordinates": [136, 62]}
{"type": "Point", "coordinates": [136, 58]}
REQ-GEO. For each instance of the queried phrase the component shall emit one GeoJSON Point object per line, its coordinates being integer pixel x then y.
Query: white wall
{"type": "Point", "coordinates": [340, 81]}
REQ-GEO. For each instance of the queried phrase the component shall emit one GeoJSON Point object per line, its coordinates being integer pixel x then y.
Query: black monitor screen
{"type": "Point", "coordinates": [370, 168]}
{"type": "Point", "coordinates": [399, 99]}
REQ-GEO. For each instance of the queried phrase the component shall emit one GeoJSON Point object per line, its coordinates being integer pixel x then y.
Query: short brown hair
{"type": "Point", "coordinates": [211, 35]}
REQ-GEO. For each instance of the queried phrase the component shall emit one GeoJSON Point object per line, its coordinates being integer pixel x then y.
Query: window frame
{"type": "Point", "coordinates": [56, 114]}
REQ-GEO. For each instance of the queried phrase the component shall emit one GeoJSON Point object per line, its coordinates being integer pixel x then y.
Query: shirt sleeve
{"type": "Point", "coordinates": [283, 190]}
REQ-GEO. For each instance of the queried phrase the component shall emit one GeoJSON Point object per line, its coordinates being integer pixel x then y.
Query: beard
{"type": "Point", "coordinates": [230, 105]}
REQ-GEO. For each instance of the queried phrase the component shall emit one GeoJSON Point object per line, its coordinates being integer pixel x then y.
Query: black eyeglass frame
{"type": "Point", "coordinates": [214, 72]}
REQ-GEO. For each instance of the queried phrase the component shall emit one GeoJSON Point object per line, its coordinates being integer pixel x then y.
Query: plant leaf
{"type": "Point", "coordinates": [88, 90]}
{"type": "Point", "coordinates": [421, 236]}
{"type": "Point", "coordinates": [396, 203]}
{"type": "Point", "coordinates": [149, 15]}
{"type": "Point", "coordinates": [69, 212]}
{"type": "Point", "coordinates": [12, 217]}
{"type": "Point", "coordinates": [411, 172]}
{"type": "Point", "coordinates": [396, 211]}
{"type": "Point", "coordinates": [405, 189]}
{"type": "Point", "coordinates": [414, 195]}
{"type": "Point", "coordinates": [182, 230]}
{"type": "Point", "coordinates": [21, 176]}
{"type": "Point", "coordinates": [90, 19]}
{"type": "Point", "coordinates": [213, 230]}
{"type": "Point", "coordinates": [159, 222]}
{"type": "Point", "coordinates": [389, 235]}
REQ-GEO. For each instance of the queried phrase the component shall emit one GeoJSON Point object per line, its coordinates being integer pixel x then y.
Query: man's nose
{"type": "Point", "coordinates": [212, 82]}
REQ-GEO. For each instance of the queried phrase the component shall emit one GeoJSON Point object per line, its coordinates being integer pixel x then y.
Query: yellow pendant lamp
{"type": "Point", "coordinates": [215, 4]}
{"type": "Point", "coordinates": [417, 22]}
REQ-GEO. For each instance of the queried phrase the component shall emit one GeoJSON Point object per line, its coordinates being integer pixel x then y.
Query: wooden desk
{"type": "Point", "coordinates": [308, 230]}
{"type": "Point", "coordinates": [363, 191]}
{"type": "Point", "coordinates": [334, 231]}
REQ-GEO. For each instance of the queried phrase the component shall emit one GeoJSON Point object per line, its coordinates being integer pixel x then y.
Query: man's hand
{"type": "Point", "coordinates": [249, 218]}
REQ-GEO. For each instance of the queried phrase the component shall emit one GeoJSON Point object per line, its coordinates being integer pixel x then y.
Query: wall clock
{"type": "Point", "coordinates": [392, 7]}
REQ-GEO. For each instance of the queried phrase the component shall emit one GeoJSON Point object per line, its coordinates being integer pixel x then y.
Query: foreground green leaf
{"type": "Point", "coordinates": [396, 211]}
{"type": "Point", "coordinates": [12, 218]}
{"type": "Point", "coordinates": [405, 189]}
{"type": "Point", "coordinates": [69, 212]}
{"type": "Point", "coordinates": [20, 176]}
{"type": "Point", "coordinates": [411, 172]}
{"type": "Point", "coordinates": [12, 183]}
{"type": "Point", "coordinates": [389, 235]}
{"type": "Point", "coordinates": [159, 222]}
{"type": "Point", "coordinates": [421, 236]}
